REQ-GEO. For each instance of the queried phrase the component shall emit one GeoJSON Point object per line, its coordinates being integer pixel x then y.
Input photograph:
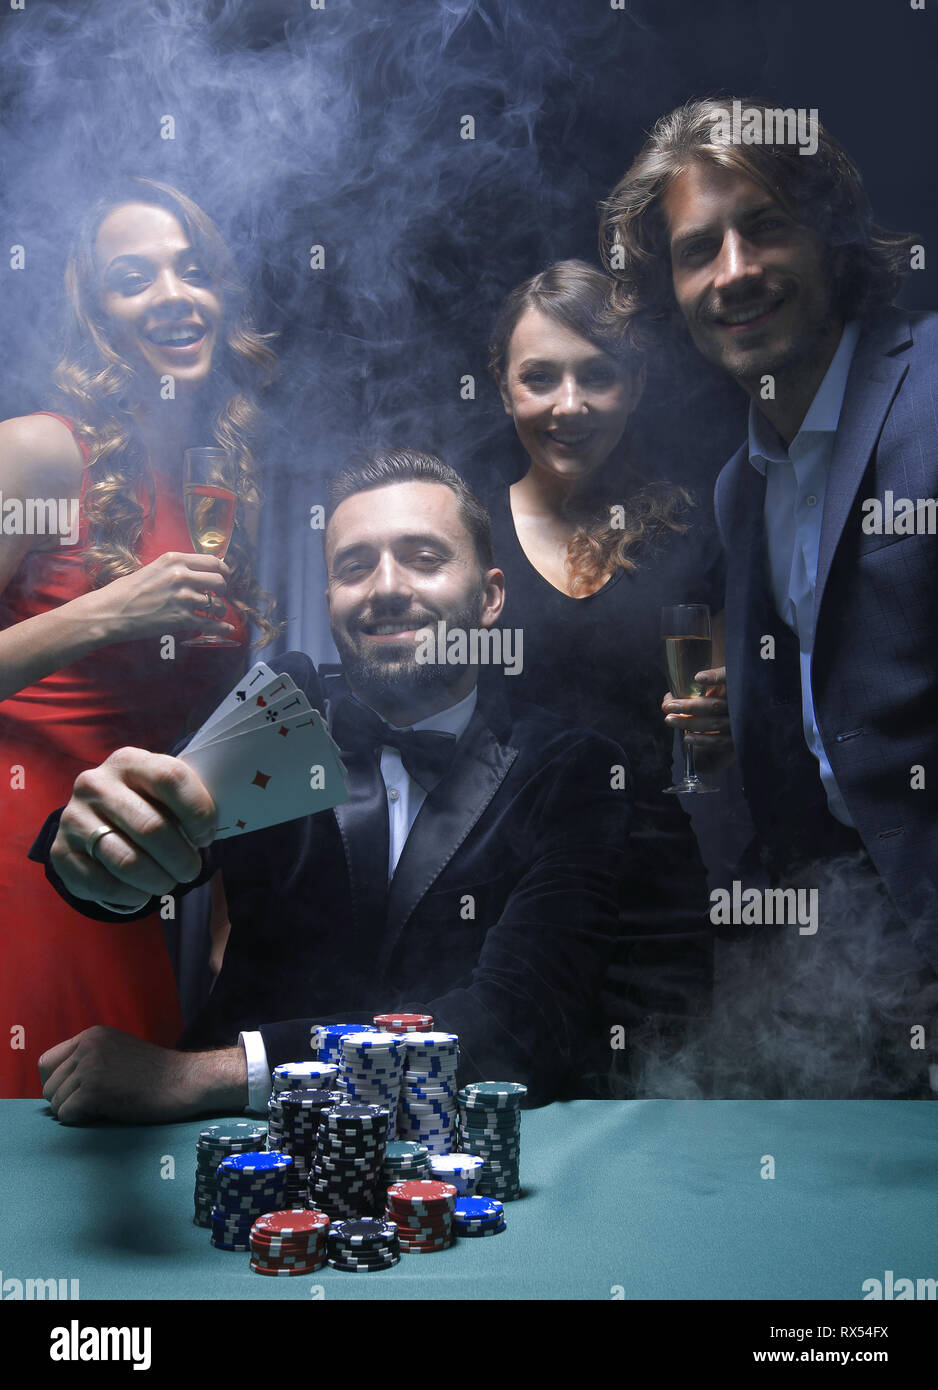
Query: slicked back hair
{"type": "Point", "coordinates": [390, 466]}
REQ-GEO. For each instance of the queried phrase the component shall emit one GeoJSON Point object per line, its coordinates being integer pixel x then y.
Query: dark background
{"type": "Point", "coordinates": [340, 127]}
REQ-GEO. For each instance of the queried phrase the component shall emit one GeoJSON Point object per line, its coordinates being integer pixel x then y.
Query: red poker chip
{"type": "Point", "coordinates": [423, 1232]}
{"type": "Point", "coordinates": [418, 1191]}
{"type": "Point", "coordinates": [259, 1268]}
{"type": "Point", "coordinates": [297, 1222]}
{"type": "Point", "coordinates": [421, 1214]}
{"type": "Point", "coordinates": [420, 1218]}
{"type": "Point", "coordinates": [405, 1219]}
{"type": "Point", "coordinates": [413, 1248]}
{"type": "Point", "coordinates": [273, 1253]}
{"type": "Point", "coordinates": [422, 1023]}
{"type": "Point", "coordinates": [289, 1261]}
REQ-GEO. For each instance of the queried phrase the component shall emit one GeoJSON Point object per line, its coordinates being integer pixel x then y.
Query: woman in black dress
{"type": "Point", "coordinates": [592, 549]}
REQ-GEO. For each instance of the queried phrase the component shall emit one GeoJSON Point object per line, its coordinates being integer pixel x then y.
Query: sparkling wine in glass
{"type": "Point", "coordinates": [688, 648]}
{"type": "Point", "coordinates": [210, 500]}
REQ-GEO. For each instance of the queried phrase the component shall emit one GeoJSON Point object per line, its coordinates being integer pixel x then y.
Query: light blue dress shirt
{"type": "Point", "coordinates": [795, 485]}
{"type": "Point", "coordinates": [405, 798]}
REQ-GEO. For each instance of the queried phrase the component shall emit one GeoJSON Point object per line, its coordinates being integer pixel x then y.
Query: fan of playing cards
{"type": "Point", "coordinates": [265, 756]}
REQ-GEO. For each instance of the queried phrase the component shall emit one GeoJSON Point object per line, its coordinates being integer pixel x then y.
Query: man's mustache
{"type": "Point", "coordinates": [404, 620]}
{"type": "Point", "coordinates": [766, 294]}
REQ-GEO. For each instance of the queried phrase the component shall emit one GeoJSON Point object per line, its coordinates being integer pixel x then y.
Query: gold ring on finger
{"type": "Point", "coordinates": [95, 838]}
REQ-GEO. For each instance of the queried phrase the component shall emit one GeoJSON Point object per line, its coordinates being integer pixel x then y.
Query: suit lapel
{"type": "Point", "coordinates": [444, 821]}
{"type": "Point", "coordinates": [872, 384]}
{"type": "Point", "coordinates": [363, 825]}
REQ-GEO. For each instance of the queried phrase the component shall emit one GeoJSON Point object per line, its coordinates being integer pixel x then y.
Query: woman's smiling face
{"type": "Point", "coordinates": [164, 313]}
{"type": "Point", "coordinates": [569, 399]}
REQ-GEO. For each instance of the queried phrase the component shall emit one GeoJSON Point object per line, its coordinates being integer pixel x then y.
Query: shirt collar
{"type": "Point", "coordinates": [452, 720]}
{"type": "Point", "coordinates": [823, 415]}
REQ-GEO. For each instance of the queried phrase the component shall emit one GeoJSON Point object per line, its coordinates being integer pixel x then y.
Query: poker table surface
{"type": "Point", "coordinates": [650, 1199]}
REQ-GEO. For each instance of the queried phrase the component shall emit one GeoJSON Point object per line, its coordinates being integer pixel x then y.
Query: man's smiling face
{"type": "Point", "coordinates": [400, 559]}
{"type": "Point", "coordinates": [753, 285]}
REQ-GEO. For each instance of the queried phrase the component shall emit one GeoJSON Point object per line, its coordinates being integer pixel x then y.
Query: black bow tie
{"type": "Point", "coordinates": [425, 753]}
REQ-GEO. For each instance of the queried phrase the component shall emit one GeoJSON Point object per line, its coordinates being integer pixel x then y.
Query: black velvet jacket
{"type": "Point", "coordinates": [499, 920]}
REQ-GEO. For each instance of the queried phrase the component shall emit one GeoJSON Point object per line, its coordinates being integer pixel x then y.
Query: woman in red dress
{"type": "Point", "coordinates": [160, 357]}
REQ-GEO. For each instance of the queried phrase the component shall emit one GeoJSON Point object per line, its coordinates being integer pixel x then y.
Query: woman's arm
{"type": "Point", "coordinates": [40, 459]}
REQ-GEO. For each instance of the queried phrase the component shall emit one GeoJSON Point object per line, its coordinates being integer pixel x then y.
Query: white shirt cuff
{"type": "Point", "coordinates": [259, 1082]}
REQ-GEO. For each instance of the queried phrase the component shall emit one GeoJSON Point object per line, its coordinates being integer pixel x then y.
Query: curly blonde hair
{"type": "Point", "coordinates": [580, 297]}
{"type": "Point", "coordinates": [99, 391]}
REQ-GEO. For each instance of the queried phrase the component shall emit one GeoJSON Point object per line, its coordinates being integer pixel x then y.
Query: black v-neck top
{"type": "Point", "coordinates": [598, 660]}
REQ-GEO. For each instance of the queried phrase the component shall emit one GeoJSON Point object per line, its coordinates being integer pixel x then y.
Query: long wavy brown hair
{"type": "Point", "coordinates": [100, 389]}
{"type": "Point", "coordinates": [579, 297]}
{"type": "Point", "coordinates": [823, 191]}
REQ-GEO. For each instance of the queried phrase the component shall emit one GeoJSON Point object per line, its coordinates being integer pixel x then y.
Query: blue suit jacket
{"type": "Point", "coordinates": [875, 666]}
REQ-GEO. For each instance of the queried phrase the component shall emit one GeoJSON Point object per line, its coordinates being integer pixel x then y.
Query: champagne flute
{"type": "Point", "coordinates": [210, 500]}
{"type": "Point", "coordinates": [688, 647]}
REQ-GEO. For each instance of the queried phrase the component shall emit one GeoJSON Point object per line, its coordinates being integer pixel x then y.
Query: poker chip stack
{"type": "Point", "coordinates": [462, 1170]}
{"type": "Point", "coordinates": [249, 1185]}
{"type": "Point", "coordinates": [326, 1037]}
{"type": "Point", "coordinates": [371, 1071]}
{"type": "Point", "coordinates": [215, 1143]}
{"type": "Point", "coordinates": [490, 1127]}
{"type": "Point", "coordinates": [478, 1216]}
{"type": "Point", "coordinates": [363, 1247]}
{"type": "Point", "coordinates": [404, 1159]}
{"type": "Point", "coordinates": [294, 1076]}
{"type": "Point", "coordinates": [289, 1242]}
{"type": "Point", "coordinates": [304, 1076]}
{"type": "Point", "coordinates": [427, 1112]}
{"type": "Point", "coordinates": [423, 1214]}
{"type": "Point", "coordinates": [301, 1113]}
{"type": "Point", "coordinates": [349, 1157]}
{"type": "Point", "coordinates": [404, 1023]}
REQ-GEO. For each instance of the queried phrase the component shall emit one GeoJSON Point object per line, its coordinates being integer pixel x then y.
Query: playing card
{"type": "Point", "coordinates": [270, 774]}
{"type": "Point", "coordinates": [250, 684]}
{"type": "Point", "coordinates": [274, 700]}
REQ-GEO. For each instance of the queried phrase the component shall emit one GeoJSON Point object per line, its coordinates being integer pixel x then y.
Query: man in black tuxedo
{"type": "Point", "coordinates": [472, 873]}
{"type": "Point", "coordinates": [764, 252]}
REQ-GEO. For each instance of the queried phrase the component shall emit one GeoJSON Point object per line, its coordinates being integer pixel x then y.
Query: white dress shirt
{"type": "Point", "coordinates": [795, 486]}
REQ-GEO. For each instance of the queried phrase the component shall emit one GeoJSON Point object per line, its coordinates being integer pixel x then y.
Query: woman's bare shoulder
{"type": "Point", "coordinates": [38, 453]}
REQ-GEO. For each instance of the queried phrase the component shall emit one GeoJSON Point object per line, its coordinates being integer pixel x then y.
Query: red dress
{"type": "Point", "coordinates": [61, 972]}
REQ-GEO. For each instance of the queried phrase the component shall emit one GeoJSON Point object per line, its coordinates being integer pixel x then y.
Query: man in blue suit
{"type": "Point", "coordinates": [764, 250]}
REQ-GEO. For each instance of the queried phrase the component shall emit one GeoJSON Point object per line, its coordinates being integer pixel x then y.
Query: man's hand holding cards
{"type": "Point", "coordinates": [132, 828]}
{"type": "Point", "coordinates": [265, 756]}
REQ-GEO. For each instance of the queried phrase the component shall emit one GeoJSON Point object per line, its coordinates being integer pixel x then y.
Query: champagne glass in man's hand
{"type": "Point", "coordinates": [688, 647]}
{"type": "Point", "coordinates": [210, 501]}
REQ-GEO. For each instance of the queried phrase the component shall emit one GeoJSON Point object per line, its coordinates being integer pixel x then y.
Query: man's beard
{"type": "Point", "coordinates": [376, 677]}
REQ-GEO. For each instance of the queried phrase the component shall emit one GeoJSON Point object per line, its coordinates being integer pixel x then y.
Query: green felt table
{"type": "Point", "coordinates": [637, 1199]}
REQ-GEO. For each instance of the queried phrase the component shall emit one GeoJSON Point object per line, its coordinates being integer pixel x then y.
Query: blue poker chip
{"type": "Point", "coordinates": [256, 1163]}
{"type": "Point", "coordinates": [476, 1209]}
{"type": "Point", "coordinates": [471, 1232]}
{"type": "Point", "coordinates": [326, 1038]}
